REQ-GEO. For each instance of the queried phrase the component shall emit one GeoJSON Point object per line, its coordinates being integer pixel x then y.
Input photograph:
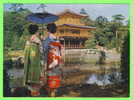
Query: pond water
{"type": "Point", "coordinates": [82, 61]}
{"type": "Point", "coordinates": [104, 79]}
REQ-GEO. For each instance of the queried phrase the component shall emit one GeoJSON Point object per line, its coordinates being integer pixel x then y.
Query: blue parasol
{"type": "Point", "coordinates": [42, 18]}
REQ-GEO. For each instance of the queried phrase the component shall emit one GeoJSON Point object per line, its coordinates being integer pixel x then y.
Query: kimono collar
{"type": "Point", "coordinates": [52, 35]}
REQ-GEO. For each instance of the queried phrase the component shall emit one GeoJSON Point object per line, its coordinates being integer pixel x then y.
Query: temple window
{"type": "Point", "coordinates": [75, 31]}
{"type": "Point", "coordinates": [62, 31]}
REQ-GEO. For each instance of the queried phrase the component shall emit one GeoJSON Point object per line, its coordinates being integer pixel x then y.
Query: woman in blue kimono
{"type": "Point", "coordinates": [53, 52]}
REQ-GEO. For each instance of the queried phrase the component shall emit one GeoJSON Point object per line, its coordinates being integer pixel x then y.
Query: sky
{"type": "Point", "coordinates": [93, 10]}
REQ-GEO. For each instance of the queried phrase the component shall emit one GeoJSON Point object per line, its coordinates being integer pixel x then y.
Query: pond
{"type": "Point", "coordinates": [104, 79]}
{"type": "Point", "coordinates": [100, 74]}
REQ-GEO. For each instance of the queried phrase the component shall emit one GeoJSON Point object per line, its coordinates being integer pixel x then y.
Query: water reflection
{"type": "Point", "coordinates": [104, 79]}
{"type": "Point", "coordinates": [81, 61]}
{"type": "Point", "coordinates": [83, 58]}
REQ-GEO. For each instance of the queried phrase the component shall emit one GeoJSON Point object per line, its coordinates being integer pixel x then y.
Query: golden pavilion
{"type": "Point", "coordinates": [71, 31]}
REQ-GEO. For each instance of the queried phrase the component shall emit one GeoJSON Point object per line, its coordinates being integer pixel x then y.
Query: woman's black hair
{"type": "Point", "coordinates": [51, 28]}
{"type": "Point", "coordinates": [33, 29]}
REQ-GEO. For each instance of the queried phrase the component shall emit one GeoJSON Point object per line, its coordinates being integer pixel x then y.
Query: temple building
{"type": "Point", "coordinates": [71, 31]}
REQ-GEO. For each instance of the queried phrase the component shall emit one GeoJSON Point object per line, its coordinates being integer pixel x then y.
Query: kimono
{"type": "Point", "coordinates": [52, 50]}
{"type": "Point", "coordinates": [32, 67]}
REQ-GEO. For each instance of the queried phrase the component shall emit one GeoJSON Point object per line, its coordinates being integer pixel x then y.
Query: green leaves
{"type": "Point", "coordinates": [118, 18]}
{"type": "Point", "coordinates": [125, 59]}
{"type": "Point", "coordinates": [101, 21]}
{"type": "Point", "coordinates": [14, 26]}
{"type": "Point", "coordinates": [83, 11]}
{"type": "Point", "coordinates": [42, 7]}
{"type": "Point", "coordinates": [110, 33]}
{"type": "Point", "coordinates": [16, 7]}
{"type": "Point", "coordinates": [90, 43]}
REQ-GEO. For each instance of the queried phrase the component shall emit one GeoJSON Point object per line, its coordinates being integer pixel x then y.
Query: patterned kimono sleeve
{"type": "Point", "coordinates": [45, 48]}
{"type": "Point", "coordinates": [45, 45]}
{"type": "Point", "coordinates": [36, 39]}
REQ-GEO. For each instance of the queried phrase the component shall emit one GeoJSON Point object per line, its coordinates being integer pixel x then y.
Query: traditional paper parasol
{"type": "Point", "coordinates": [42, 18]}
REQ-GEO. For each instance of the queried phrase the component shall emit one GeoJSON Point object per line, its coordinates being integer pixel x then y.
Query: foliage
{"type": "Point", "coordinates": [14, 26]}
{"type": "Point", "coordinates": [16, 7]}
{"type": "Point", "coordinates": [110, 33]}
{"type": "Point", "coordinates": [83, 11]}
{"type": "Point", "coordinates": [125, 59]}
{"type": "Point", "coordinates": [101, 21]}
{"type": "Point", "coordinates": [86, 20]}
{"type": "Point", "coordinates": [118, 18]}
{"type": "Point", "coordinates": [90, 43]}
{"type": "Point", "coordinates": [42, 7]}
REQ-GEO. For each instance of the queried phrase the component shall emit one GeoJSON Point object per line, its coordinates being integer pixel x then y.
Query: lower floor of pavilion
{"type": "Point", "coordinates": [73, 42]}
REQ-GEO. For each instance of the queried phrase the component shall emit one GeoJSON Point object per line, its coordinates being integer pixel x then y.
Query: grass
{"type": "Point", "coordinates": [13, 54]}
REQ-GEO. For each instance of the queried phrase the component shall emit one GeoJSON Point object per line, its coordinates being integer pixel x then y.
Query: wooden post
{"type": "Point", "coordinates": [64, 51]}
{"type": "Point", "coordinates": [68, 43]}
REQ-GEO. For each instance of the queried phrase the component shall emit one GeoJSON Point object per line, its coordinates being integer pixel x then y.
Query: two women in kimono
{"type": "Point", "coordinates": [51, 48]}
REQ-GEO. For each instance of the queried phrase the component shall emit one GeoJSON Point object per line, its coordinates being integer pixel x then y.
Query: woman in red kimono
{"type": "Point", "coordinates": [53, 50]}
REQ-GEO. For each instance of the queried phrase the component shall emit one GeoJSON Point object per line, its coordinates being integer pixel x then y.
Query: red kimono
{"type": "Point", "coordinates": [53, 62]}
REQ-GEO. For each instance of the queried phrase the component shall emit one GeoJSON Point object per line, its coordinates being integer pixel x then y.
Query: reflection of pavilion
{"type": "Point", "coordinates": [71, 31]}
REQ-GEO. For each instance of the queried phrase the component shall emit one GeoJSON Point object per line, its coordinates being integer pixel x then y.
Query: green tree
{"type": "Point", "coordinates": [14, 25]}
{"type": "Point", "coordinates": [83, 11]}
{"type": "Point", "coordinates": [86, 20]}
{"type": "Point", "coordinates": [90, 43]}
{"type": "Point", "coordinates": [42, 7]}
{"type": "Point", "coordinates": [116, 25]}
{"type": "Point", "coordinates": [101, 21]}
{"type": "Point", "coordinates": [125, 60]}
{"type": "Point", "coordinates": [101, 30]}
{"type": "Point", "coordinates": [110, 34]}
{"type": "Point", "coordinates": [16, 7]}
{"type": "Point", "coordinates": [118, 18]}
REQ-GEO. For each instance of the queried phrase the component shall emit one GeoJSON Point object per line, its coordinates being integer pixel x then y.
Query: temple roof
{"type": "Point", "coordinates": [71, 12]}
{"type": "Point", "coordinates": [78, 26]}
